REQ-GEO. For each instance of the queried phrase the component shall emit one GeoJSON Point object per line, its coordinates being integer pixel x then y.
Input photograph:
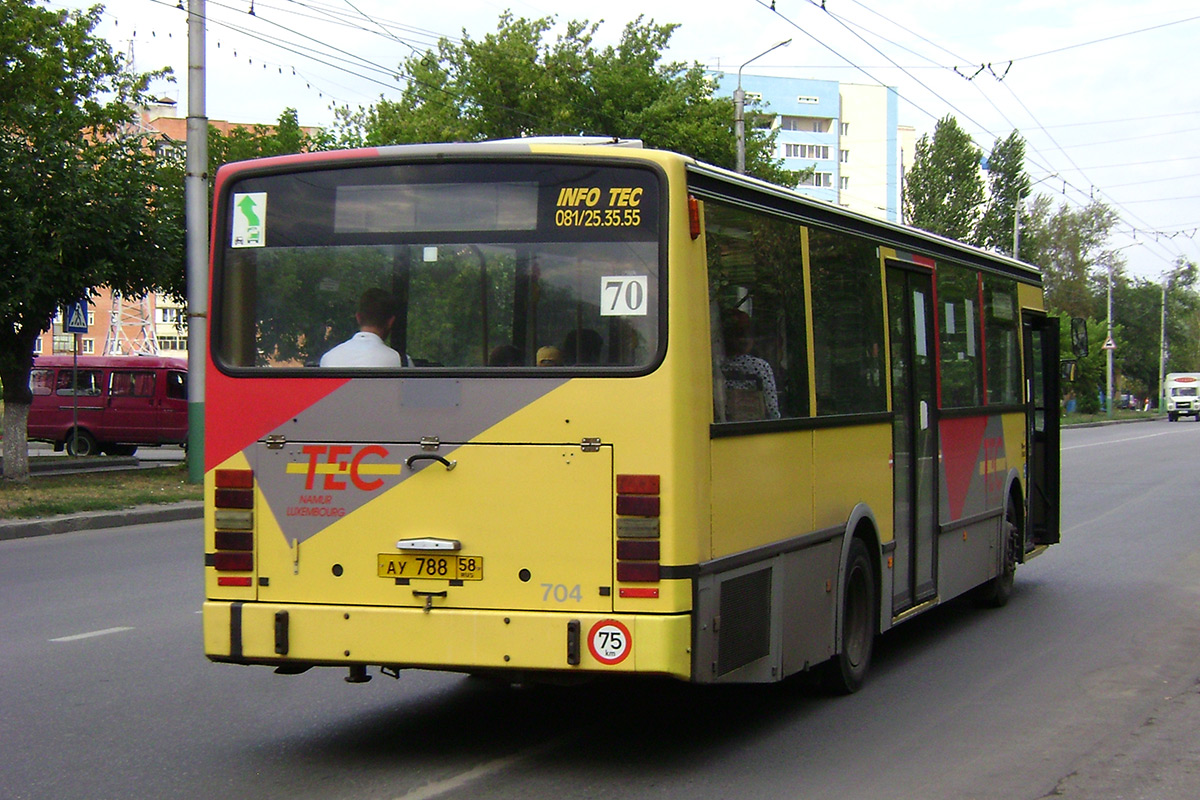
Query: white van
{"type": "Point", "coordinates": [1182, 390]}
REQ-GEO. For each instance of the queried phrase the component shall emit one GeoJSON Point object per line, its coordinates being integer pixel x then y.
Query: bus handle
{"type": "Point", "coordinates": [413, 459]}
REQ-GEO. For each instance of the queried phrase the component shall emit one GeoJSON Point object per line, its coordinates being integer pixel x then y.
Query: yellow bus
{"type": "Point", "coordinates": [608, 410]}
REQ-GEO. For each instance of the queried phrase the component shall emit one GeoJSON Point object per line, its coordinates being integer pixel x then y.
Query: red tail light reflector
{"type": "Point", "coordinates": [234, 498]}
{"type": "Point", "coordinates": [233, 580]}
{"type": "Point", "coordinates": [637, 549]}
{"type": "Point", "coordinates": [638, 505]}
{"type": "Point", "coordinates": [637, 571]}
{"type": "Point", "coordinates": [638, 484]}
{"type": "Point", "coordinates": [638, 591]}
{"type": "Point", "coordinates": [234, 540]}
{"type": "Point", "coordinates": [693, 216]}
{"type": "Point", "coordinates": [235, 479]}
{"type": "Point", "coordinates": [233, 561]}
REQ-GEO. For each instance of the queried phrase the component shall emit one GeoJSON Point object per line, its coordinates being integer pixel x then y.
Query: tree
{"type": "Point", "coordinates": [514, 83]}
{"type": "Point", "coordinates": [1008, 184]}
{"type": "Point", "coordinates": [241, 143]}
{"type": "Point", "coordinates": [1068, 244]}
{"type": "Point", "coordinates": [84, 204]}
{"type": "Point", "coordinates": [943, 192]}
{"type": "Point", "coordinates": [1182, 299]}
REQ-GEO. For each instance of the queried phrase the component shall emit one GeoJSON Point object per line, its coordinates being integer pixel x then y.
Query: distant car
{"type": "Point", "coordinates": [112, 405]}
{"type": "Point", "coordinates": [1127, 401]}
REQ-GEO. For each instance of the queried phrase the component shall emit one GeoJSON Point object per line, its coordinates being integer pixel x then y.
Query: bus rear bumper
{"type": "Point", "coordinates": [297, 635]}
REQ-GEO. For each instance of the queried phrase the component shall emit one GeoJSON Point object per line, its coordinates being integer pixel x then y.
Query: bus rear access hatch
{"type": "Point", "coordinates": [483, 526]}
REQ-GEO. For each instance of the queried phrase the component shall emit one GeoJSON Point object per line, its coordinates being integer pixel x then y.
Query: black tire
{"type": "Point", "coordinates": [120, 449]}
{"type": "Point", "coordinates": [996, 592]}
{"type": "Point", "coordinates": [1172, 416]}
{"type": "Point", "coordinates": [857, 623]}
{"type": "Point", "coordinates": [82, 443]}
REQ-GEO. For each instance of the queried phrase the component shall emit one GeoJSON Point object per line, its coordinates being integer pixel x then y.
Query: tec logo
{"type": "Point", "coordinates": [338, 463]}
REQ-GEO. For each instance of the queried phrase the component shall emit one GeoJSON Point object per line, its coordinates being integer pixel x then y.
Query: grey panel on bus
{"type": "Point", "coordinates": [764, 621]}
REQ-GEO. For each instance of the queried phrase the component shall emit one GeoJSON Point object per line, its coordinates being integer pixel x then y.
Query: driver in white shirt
{"type": "Point", "coordinates": [376, 314]}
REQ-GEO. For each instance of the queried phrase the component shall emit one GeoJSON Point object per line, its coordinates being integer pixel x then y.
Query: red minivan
{"type": "Point", "coordinates": [120, 402]}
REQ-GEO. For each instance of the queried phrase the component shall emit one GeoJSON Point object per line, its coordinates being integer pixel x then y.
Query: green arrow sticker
{"type": "Point", "coordinates": [250, 211]}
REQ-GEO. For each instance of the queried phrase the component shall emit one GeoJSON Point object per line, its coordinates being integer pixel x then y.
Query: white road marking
{"type": "Point", "coordinates": [438, 788]}
{"type": "Point", "coordinates": [90, 635]}
{"type": "Point", "coordinates": [1120, 441]}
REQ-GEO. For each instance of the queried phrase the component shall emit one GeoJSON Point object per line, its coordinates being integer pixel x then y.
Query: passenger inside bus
{"type": "Point", "coordinates": [504, 355]}
{"type": "Point", "coordinates": [750, 391]}
{"type": "Point", "coordinates": [582, 346]}
{"type": "Point", "coordinates": [376, 314]}
{"type": "Point", "coordinates": [549, 356]}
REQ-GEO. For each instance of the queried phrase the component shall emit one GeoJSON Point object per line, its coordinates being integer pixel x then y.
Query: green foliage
{"type": "Point", "coordinates": [943, 192]}
{"type": "Point", "coordinates": [1007, 184]}
{"type": "Point", "coordinates": [515, 83]}
{"type": "Point", "coordinates": [84, 205]}
{"type": "Point", "coordinates": [1068, 244]}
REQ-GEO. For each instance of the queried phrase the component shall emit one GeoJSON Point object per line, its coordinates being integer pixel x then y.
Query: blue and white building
{"type": "Point", "coordinates": [850, 134]}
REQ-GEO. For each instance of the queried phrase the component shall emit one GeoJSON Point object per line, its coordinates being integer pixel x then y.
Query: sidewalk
{"type": "Point", "coordinates": [91, 520]}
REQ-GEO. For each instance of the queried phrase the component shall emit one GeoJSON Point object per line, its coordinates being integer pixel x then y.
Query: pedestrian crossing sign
{"type": "Point", "coordinates": [75, 317]}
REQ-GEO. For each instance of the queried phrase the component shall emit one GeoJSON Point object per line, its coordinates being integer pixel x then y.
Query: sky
{"type": "Point", "coordinates": [1103, 91]}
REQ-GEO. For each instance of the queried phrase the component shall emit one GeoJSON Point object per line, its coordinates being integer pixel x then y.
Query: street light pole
{"type": "Point", "coordinates": [739, 109]}
{"type": "Point", "coordinates": [1108, 350]}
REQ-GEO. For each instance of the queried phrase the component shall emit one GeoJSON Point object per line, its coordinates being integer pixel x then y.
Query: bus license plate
{"type": "Point", "coordinates": [445, 568]}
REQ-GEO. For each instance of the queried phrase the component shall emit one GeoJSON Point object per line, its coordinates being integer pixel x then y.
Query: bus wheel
{"type": "Point", "coordinates": [847, 670]}
{"type": "Point", "coordinates": [82, 443]}
{"type": "Point", "coordinates": [995, 593]}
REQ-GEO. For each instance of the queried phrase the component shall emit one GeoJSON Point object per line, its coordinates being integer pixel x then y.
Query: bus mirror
{"type": "Point", "coordinates": [1067, 370]}
{"type": "Point", "coordinates": [1079, 337]}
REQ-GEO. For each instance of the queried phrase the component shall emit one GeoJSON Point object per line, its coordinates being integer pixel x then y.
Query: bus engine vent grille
{"type": "Point", "coordinates": [745, 632]}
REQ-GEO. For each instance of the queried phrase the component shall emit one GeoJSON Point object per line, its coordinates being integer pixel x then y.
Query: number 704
{"type": "Point", "coordinates": [561, 593]}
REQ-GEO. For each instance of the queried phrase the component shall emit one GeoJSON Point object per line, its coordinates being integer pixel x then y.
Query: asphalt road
{"type": "Point", "coordinates": [105, 692]}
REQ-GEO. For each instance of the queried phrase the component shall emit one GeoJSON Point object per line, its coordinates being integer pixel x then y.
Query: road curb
{"type": "Point", "coordinates": [67, 523]}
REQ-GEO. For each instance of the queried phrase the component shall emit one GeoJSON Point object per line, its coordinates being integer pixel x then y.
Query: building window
{"type": "Point", "coordinates": [813, 151]}
{"type": "Point", "coordinates": [844, 182]}
{"type": "Point", "coordinates": [808, 99]}
{"type": "Point", "coordinates": [845, 128]}
{"type": "Point", "coordinates": [63, 343]}
{"type": "Point", "coordinates": [88, 347]}
{"type": "Point", "coordinates": [819, 179]}
{"type": "Point", "coordinates": [845, 156]}
{"type": "Point", "coordinates": [37, 346]}
{"type": "Point", "coordinates": [169, 315]}
{"type": "Point", "coordinates": [805, 124]}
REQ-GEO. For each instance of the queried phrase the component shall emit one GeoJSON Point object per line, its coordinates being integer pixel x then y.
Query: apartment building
{"type": "Point", "coordinates": [848, 134]}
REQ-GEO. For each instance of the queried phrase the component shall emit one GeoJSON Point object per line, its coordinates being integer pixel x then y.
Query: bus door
{"type": "Point", "coordinates": [914, 435]}
{"type": "Point", "coordinates": [1042, 433]}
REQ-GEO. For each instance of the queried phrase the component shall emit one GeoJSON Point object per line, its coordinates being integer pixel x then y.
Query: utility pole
{"type": "Point", "coordinates": [739, 109]}
{"type": "Point", "coordinates": [196, 213]}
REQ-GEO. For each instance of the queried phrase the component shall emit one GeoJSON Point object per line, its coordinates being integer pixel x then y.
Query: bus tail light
{"type": "Point", "coordinates": [638, 528]}
{"type": "Point", "coordinates": [233, 516]}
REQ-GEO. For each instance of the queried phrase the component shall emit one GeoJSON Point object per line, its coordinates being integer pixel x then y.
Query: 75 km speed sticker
{"type": "Point", "coordinates": [609, 641]}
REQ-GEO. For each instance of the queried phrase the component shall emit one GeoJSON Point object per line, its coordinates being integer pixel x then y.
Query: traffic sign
{"type": "Point", "coordinates": [1109, 344]}
{"type": "Point", "coordinates": [75, 317]}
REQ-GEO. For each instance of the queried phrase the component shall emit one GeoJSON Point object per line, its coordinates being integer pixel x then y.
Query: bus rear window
{"type": "Point", "coordinates": [481, 267]}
